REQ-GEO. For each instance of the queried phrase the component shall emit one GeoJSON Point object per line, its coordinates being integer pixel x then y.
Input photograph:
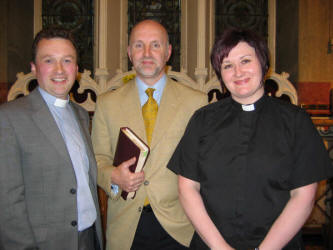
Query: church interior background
{"type": "Point", "coordinates": [299, 34]}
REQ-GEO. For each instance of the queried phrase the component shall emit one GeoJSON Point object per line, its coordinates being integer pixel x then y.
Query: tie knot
{"type": "Point", "coordinates": [150, 92]}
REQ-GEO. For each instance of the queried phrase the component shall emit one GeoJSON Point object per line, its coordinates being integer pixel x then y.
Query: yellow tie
{"type": "Point", "coordinates": [149, 113]}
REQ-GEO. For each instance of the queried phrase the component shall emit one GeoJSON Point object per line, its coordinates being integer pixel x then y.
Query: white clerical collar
{"type": "Point", "coordinates": [60, 102]}
{"type": "Point", "coordinates": [52, 100]}
{"type": "Point", "coordinates": [248, 107]}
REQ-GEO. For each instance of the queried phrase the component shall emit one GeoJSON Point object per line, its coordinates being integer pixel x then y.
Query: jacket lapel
{"type": "Point", "coordinates": [46, 123]}
{"type": "Point", "coordinates": [130, 109]}
{"type": "Point", "coordinates": [130, 105]}
{"type": "Point", "coordinates": [166, 112]}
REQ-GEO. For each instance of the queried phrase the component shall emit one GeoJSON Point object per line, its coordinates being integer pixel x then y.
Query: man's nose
{"type": "Point", "coordinates": [146, 51]}
{"type": "Point", "coordinates": [59, 67]}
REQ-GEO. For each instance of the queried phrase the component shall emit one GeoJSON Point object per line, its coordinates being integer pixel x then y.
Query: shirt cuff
{"type": "Point", "coordinates": [114, 189]}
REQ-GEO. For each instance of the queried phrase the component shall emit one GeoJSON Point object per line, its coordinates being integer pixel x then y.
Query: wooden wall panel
{"type": "Point", "coordinates": [315, 64]}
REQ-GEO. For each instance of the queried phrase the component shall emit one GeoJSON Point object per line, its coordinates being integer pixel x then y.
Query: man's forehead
{"type": "Point", "coordinates": [152, 40]}
{"type": "Point", "coordinates": [148, 31]}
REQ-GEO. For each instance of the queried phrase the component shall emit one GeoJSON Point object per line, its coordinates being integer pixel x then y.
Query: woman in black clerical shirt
{"type": "Point", "coordinates": [249, 164]}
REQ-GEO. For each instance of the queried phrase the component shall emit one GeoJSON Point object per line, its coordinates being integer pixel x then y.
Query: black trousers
{"type": "Point", "coordinates": [150, 235]}
{"type": "Point", "coordinates": [88, 239]}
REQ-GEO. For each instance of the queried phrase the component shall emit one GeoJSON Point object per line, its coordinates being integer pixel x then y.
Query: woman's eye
{"type": "Point", "coordinates": [227, 66]}
{"type": "Point", "coordinates": [244, 61]}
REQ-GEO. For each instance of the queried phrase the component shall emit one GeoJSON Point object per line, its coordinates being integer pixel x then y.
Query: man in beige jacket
{"type": "Point", "coordinates": [135, 224]}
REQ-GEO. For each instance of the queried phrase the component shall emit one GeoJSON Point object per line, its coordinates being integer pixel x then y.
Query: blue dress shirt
{"type": "Point", "coordinates": [158, 86]}
{"type": "Point", "coordinates": [65, 118]}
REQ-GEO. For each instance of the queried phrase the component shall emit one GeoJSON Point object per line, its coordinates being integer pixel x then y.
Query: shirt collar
{"type": "Point", "coordinates": [158, 86]}
{"type": "Point", "coordinates": [52, 100]}
{"type": "Point", "coordinates": [252, 106]}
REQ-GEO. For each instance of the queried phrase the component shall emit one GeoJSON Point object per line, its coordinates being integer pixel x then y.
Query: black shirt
{"type": "Point", "coordinates": [247, 162]}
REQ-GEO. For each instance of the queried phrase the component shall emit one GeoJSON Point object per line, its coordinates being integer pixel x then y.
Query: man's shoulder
{"type": "Point", "coordinates": [21, 103]}
{"type": "Point", "coordinates": [78, 107]}
{"type": "Point", "coordinates": [119, 92]}
{"type": "Point", "coordinates": [185, 90]}
{"type": "Point", "coordinates": [81, 111]}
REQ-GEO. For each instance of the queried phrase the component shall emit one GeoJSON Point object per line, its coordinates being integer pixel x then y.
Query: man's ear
{"type": "Point", "coordinates": [129, 53]}
{"type": "Point", "coordinates": [33, 68]}
{"type": "Point", "coordinates": [169, 51]}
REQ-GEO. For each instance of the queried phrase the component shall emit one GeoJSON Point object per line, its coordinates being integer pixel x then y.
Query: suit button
{"type": "Point", "coordinates": [72, 191]}
{"type": "Point", "coordinates": [140, 209]}
{"type": "Point", "coordinates": [146, 183]}
{"type": "Point", "coordinates": [74, 223]}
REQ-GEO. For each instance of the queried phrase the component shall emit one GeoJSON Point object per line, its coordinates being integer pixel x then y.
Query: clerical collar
{"type": "Point", "coordinates": [252, 106]}
{"type": "Point", "coordinates": [60, 102]}
{"type": "Point", "coordinates": [52, 100]}
{"type": "Point", "coordinates": [248, 107]}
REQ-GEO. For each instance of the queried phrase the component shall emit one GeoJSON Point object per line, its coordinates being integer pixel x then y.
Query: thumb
{"type": "Point", "coordinates": [129, 162]}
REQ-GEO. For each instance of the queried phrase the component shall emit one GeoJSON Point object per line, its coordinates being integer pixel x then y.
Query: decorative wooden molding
{"type": "Point", "coordinates": [101, 75]}
{"type": "Point", "coordinates": [285, 87]}
{"type": "Point", "coordinates": [20, 87]}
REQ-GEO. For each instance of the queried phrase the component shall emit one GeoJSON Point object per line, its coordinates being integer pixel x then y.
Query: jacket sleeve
{"type": "Point", "coordinates": [15, 229]}
{"type": "Point", "coordinates": [102, 148]}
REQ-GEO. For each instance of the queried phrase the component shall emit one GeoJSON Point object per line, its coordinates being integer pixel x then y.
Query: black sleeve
{"type": "Point", "coordinates": [311, 160]}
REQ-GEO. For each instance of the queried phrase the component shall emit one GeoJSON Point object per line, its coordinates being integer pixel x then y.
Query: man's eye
{"type": "Point", "coordinates": [156, 45]}
{"type": "Point", "coordinates": [138, 45]}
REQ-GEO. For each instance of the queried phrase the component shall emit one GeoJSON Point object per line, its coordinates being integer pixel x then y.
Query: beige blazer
{"type": "Point", "coordinates": [122, 108]}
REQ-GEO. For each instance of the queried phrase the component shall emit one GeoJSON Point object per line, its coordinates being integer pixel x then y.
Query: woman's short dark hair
{"type": "Point", "coordinates": [229, 39]}
{"type": "Point", "coordinates": [51, 33]}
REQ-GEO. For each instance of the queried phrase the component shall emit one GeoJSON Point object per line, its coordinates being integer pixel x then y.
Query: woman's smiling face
{"type": "Point", "coordinates": [242, 74]}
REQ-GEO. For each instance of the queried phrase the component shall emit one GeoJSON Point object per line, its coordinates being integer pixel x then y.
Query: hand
{"type": "Point", "coordinates": [125, 179]}
{"type": "Point", "coordinates": [223, 248]}
{"type": "Point", "coordinates": [223, 245]}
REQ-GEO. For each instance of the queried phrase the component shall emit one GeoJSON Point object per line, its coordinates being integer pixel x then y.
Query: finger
{"type": "Point", "coordinates": [136, 187]}
{"type": "Point", "coordinates": [128, 163]}
{"type": "Point", "coordinates": [131, 161]}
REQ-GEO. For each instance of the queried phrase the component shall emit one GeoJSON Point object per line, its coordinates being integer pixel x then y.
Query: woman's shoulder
{"type": "Point", "coordinates": [289, 114]}
{"type": "Point", "coordinates": [284, 106]}
{"type": "Point", "coordinates": [212, 112]}
{"type": "Point", "coordinates": [216, 106]}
